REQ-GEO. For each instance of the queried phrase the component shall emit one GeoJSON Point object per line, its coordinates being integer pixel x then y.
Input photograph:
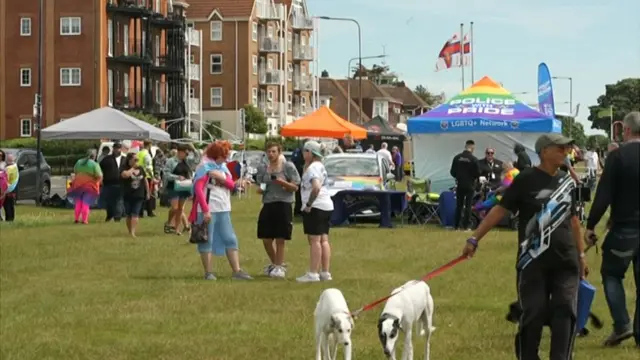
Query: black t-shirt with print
{"type": "Point", "coordinates": [527, 195]}
{"type": "Point", "coordinates": [133, 187]}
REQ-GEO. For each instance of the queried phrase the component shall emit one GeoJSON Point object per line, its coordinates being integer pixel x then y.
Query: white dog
{"type": "Point", "coordinates": [412, 302]}
{"type": "Point", "coordinates": [333, 324]}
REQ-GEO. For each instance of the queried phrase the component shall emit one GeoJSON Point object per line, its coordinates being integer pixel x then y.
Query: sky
{"type": "Point", "coordinates": [594, 42]}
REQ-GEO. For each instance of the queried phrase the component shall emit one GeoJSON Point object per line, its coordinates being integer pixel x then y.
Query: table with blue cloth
{"type": "Point", "coordinates": [350, 202]}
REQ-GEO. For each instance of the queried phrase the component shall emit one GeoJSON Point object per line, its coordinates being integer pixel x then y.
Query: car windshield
{"type": "Point", "coordinates": [351, 166]}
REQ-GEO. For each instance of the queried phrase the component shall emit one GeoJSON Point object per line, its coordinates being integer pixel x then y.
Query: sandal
{"type": "Point", "coordinates": [168, 229]}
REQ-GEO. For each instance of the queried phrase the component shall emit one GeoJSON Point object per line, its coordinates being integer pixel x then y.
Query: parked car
{"type": "Point", "coordinates": [361, 171]}
{"type": "Point", "coordinates": [252, 160]}
{"type": "Point", "coordinates": [27, 164]}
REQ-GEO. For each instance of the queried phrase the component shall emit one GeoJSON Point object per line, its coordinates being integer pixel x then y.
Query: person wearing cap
{"type": "Point", "coordinates": [551, 258]}
{"type": "Point", "coordinates": [316, 213]}
{"type": "Point", "coordinates": [112, 184]}
{"type": "Point", "coordinates": [466, 170]}
{"type": "Point", "coordinates": [618, 188]}
{"type": "Point", "coordinates": [491, 168]}
{"type": "Point", "coordinates": [523, 160]}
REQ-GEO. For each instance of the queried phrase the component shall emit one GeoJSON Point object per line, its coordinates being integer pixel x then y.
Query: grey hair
{"type": "Point", "coordinates": [632, 121]}
{"type": "Point", "coordinates": [92, 154]}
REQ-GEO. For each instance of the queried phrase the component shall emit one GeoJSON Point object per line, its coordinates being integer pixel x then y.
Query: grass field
{"type": "Point", "coordinates": [90, 292]}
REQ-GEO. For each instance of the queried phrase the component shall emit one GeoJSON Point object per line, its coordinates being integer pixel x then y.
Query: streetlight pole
{"type": "Point", "coordinates": [349, 80]}
{"type": "Point", "coordinates": [359, 57]}
{"type": "Point", "coordinates": [570, 98]}
{"type": "Point", "coordinates": [37, 106]}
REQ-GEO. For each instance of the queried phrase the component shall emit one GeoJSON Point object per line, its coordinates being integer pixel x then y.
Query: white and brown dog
{"type": "Point", "coordinates": [333, 325]}
{"type": "Point", "coordinates": [412, 303]}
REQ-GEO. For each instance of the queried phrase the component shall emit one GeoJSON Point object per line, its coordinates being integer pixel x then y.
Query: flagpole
{"type": "Point", "coordinates": [471, 51]}
{"type": "Point", "coordinates": [462, 52]}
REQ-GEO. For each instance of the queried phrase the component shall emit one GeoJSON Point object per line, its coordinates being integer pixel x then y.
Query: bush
{"type": "Point", "coordinates": [54, 147]}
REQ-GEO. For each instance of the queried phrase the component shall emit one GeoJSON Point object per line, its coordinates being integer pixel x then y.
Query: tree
{"type": "Point", "coordinates": [213, 128]}
{"type": "Point", "coordinates": [573, 129]}
{"type": "Point", "coordinates": [255, 121]}
{"type": "Point", "coordinates": [324, 74]}
{"type": "Point", "coordinates": [431, 99]}
{"type": "Point", "coordinates": [148, 118]}
{"type": "Point", "coordinates": [624, 96]}
{"type": "Point", "coordinates": [597, 141]}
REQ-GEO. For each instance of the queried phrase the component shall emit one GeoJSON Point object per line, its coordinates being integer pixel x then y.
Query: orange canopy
{"type": "Point", "coordinates": [323, 123]}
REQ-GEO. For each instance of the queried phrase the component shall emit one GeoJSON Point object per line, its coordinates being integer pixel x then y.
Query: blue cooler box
{"type": "Point", "coordinates": [586, 293]}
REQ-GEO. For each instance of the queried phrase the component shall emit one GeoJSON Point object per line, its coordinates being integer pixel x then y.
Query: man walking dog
{"type": "Point", "coordinates": [551, 253]}
{"type": "Point", "coordinates": [619, 189]}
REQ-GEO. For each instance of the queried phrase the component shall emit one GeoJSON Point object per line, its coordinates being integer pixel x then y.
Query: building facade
{"type": "Point", "coordinates": [128, 54]}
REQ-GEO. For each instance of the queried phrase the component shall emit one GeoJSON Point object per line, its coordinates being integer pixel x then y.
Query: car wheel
{"type": "Point", "coordinates": [45, 193]}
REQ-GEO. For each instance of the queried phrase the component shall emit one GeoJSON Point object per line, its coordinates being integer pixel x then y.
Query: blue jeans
{"type": "Point", "coordinates": [621, 248]}
{"type": "Point", "coordinates": [112, 197]}
{"type": "Point", "coordinates": [222, 237]}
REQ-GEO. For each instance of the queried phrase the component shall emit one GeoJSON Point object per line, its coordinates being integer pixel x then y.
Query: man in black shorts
{"type": "Point", "coordinates": [551, 252]}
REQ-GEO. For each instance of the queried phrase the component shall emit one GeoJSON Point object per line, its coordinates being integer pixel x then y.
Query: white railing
{"type": "Point", "coordinates": [194, 72]}
{"type": "Point", "coordinates": [301, 22]}
{"type": "Point", "coordinates": [302, 83]}
{"type": "Point", "coordinates": [267, 10]}
{"type": "Point", "coordinates": [268, 44]}
{"type": "Point", "coordinates": [193, 37]}
{"type": "Point", "coordinates": [271, 108]}
{"type": "Point", "coordinates": [300, 111]}
{"type": "Point", "coordinates": [194, 106]}
{"type": "Point", "coordinates": [270, 77]}
{"type": "Point", "coordinates": [302, 52]}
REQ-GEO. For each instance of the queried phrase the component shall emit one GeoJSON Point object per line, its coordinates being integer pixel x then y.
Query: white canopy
{"type": "Point", "coordinates": [104, 123]}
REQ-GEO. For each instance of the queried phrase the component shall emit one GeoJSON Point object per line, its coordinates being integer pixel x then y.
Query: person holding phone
{"type": "Point", "coordinates": [135, 191]}
{"type": "Point", "coordinates": [279, 180]}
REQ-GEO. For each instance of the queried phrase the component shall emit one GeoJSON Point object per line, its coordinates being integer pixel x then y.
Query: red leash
{"type": "Point", "coordinates": [427, 277]}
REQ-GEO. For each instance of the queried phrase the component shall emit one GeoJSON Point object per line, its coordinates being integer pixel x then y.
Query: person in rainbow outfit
{"type": "Point", "coordinates": [509, 173]}
{"type": "Point", "coordinates": [85, 188]}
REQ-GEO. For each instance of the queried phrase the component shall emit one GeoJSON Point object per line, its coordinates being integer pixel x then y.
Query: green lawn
{"type": "Point", "coordinates": [90, 292]}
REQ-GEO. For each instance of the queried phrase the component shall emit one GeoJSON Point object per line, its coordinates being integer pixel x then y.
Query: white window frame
{"type": "Point", "coordinates": [254, 32]}
{"type": "Point", "coordinates": [215, 27]}
{"type": "Point", "coordinates": [125, 80]}
{"type": "Point", "coordinates": [110, 36]}
{"type": "Point", "coordinates": [270, 32]}
{"type": "Point", "coordinates": [110, 87]}
{"type": "Point", "coordinates": [303, 41]}
{"type": "Point", "coordinates": [22, 122]}
{"type": "Point", "coordinates": [22, 72]}
{"type": "Point", "coordinates": [125, 30]}
{"type": "Point", "coordinates": [254, 63]}
{"type": "Point", "coordinates": [270, 96]}
{"type": "Point", "coordinates": [290, 102]}
{"type": "Point", "coordinates": [192, 59]}
{"type": "Point", "coordinates": [254, 96]}
{"type": "Point", "coordinates": [213, 96]}
{"type": "Point", "coordinates": [25, 22]}
{"type": "Point", "coordinates": [157, 6]}
{"type": "Point", "coordinates": [290, 40]}
{"type": "Point", "coordinates": [211, 63]}
{"type": "Point", "coordinates": [70, 71]}
{"type": "Point", "coordinates": [67, 26]}
{"type": "Point", "coordinates": [303, 101]}
{"type": "Point", "coordinates": [290, 71]}
{"type": "Point", "coordinates": [269, 64]}
{"type": "Point", "coordinates": [192, 93]}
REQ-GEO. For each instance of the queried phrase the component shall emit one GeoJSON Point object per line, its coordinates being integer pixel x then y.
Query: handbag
{"type": "Point", "coordinates": [200, 231]}
{"type": "Point", "coordinates": [185, 185]}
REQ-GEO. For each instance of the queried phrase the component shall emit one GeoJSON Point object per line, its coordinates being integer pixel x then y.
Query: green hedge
{"type": "Point", "coordinates": [288, 144]}
{"type": "Point", "coordinates": [52, 148]}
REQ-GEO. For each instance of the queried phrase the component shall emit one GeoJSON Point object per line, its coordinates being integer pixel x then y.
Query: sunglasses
{"type": "Point", "coordinates": [490, 153]}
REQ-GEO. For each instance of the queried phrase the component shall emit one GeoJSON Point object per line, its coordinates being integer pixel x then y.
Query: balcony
{"type": "Point", "coordinates": [131, 58]}
{"type": "Point", "coordinates": [301, 110]}
{"type": "Point", "coordinates": [301, 22]}
{"type": "Point", "coordinates": [271, 45]}
{"type": "Point", "coordinates": [267, 10]}
{"type": "Point", "coordinates": [169, 21]}
{"type": "Point", "coordinates": [271, 108]}
{"type": "Point", "coordinates": [302, 52]}
{"type": "Point", "coordinates": [160, 108]}
{"type": "Point", "coordinates": [193, 37]}
{"type": "Point", "coordinates": [166, 64]}
{"type": "Point", "coordinates": [302, 83]}
{"type": "Point", "coordinates": [194, 72]}
{"type": "Point", "coordinates": [132, 8]}
{"type": "Point", "coordinates": [271, 77]}
{"type": "Point", "coordinates": [194, 106]}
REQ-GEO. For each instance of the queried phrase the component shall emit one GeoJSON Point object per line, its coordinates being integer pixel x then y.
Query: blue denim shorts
{"type": "Point", "coordinates": [178, 195]}
{"type": "Point", "coordinates": [132, 207]}
{"type": "Point", "coordinates": [222, 237]}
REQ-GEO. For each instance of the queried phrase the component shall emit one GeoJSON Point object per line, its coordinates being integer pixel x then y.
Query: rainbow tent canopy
{"type": "Point", "coordinates": [485, 106]}
{"type": "Point", "coordinates": [323, 123]}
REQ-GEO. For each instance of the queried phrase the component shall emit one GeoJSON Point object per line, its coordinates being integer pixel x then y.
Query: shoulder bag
{"type": "Point", "coordinates": [200, 230]}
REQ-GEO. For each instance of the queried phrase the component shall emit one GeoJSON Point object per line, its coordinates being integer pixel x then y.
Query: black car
{"type": "Point", "coordinates": [27, 164]}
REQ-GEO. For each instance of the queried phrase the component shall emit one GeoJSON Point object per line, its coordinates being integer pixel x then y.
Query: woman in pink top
{"type": "Point", "coordinates": [213, 178]}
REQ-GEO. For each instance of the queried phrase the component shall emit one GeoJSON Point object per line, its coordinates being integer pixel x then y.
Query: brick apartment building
{"type": "Point", "coordinates": [123, 53]}
{"type": "Point", "coordinates": [254, 52]}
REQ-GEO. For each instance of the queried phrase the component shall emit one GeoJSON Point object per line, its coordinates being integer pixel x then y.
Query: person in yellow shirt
{"type": "Point", "coordinates": [13, 177]}
{"type": "Point", "coordinates": [146, 162]}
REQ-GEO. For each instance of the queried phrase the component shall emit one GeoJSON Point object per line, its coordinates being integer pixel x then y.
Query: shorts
{"type": "Point", "coordinates": [221, 235]}
{"type": "Point", "coordinates": [132, 207]}
{"type": "Point", "coordinates": [178, 195]}
{"type": "Point", "coordinates": [275, 221]}
{"type": "Point", "coordinates": [316, 222]}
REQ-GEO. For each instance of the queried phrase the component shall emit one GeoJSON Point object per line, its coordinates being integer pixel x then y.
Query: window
{"type": "Point", "coordinates": [192, 93]}
{"type": "Point", "coordinates": [269, 64]}
{"type": "Point", "coordinates": [290, 71]}
{"type": "Point", "coordinates": [157, 91]}
{"type": "Point", "coordinates": [125, 78]}
{"type": "Point", "coordinates": [254, 32]}
{"type": "Point", "coordinates": [192, 59]}
{"type": "Point", "coordinates": [381, 108]}
{"type": "Point", "coordinates": [125, 30]}
{"type": "Point", "coordinates": [216, 97]}
{"type": "Point", "coordinates": [254, 63]}
{"type": "Point", "coordinates": [216, 63]}
{"type": "Point", "coordinates": [25, 127]}
{"type": "Point", "coordinates": [110, 36]}
{"type": "Point", "coordinates": [25, 77]}
{"type": "Point", "coordinates": [70, 77]}
{"type": "Point", "coordinates": [303, 40]}
{"type": "Point", "coordinates": [70, 26]}
{"type": "Point", "coordinates": [25, 26]}
{"type": "Point", "coordinates": [289, 102]}
{"type": "Point", "coordinates": [270, 96]}
{"type": "Point", "coordinates": [270, 32]}
{"type": "Point", "coordinates": [303, 102]}
{"type": "Point", "coordinates": [254, 96]}
{"type": "Point", "coordinates": [216, 31]}
{"type": "Point", "coordinates": [110, 86]}
{"type": "Point", "coordinates": [157, 7]}
{"type": "Point", "coordinates": [289, 40]}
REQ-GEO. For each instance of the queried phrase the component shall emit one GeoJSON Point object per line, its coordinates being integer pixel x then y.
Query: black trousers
{"type": "Point", "coordinates": [113, 201]}
{"type": "Point", "coordinates": [149, 205]}
{"type": "Point", "coordinates": [297, 209]}
{"type": "Point", "coordinates": [464, 197]}
{"type": "Point", "coordinates": [9, 207]}
{"type": "Point", "coordinates": [548, 291]}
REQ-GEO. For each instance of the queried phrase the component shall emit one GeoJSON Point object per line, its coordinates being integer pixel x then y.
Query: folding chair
{"type": "Point", "coordinates": [423, 206]}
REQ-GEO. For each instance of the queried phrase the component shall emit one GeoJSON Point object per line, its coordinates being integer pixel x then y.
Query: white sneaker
{"type": "Point", "coordinates": [309, 277]}
{"type": "Point", "coordinates": [325, 276]}
{"type": "Point", "coordinates": [277, 272]}
{"type": "Point", "coordinates": [268, 269]}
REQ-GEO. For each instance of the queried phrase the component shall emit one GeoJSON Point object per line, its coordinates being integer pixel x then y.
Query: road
{"type": "Point", "coordinates": [58, 186]}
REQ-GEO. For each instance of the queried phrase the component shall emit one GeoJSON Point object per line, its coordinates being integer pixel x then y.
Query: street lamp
{"type": "Point", "coordinates": [570, 96]}
{"type": "Point", "coordinates": [359, 56]}
{"type": "Point", "coordinates": [37, 105]}
{"type": "Point", "coordinates": [349, 81]}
